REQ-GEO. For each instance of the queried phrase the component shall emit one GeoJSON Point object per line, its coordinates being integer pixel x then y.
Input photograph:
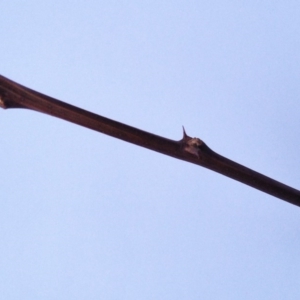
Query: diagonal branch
{"type": "Point", "coordinates": [193, 150]}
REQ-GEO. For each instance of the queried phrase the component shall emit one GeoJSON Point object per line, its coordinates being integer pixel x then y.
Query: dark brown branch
{"type": "Point", "coordinates": [193, 150]}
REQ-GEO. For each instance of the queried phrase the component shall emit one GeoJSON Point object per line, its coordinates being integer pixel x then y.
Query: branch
{"type": "Point", "coordinates": [193, 150]}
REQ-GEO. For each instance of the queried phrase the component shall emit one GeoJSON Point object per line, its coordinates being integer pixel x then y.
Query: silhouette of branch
{"type": "Point", "coordinates": [193, 150]}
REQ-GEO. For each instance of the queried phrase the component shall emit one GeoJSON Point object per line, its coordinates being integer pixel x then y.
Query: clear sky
{"type": "Point", "coordinates": [86, 216]}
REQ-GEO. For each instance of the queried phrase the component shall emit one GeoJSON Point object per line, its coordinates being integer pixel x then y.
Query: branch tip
{"type": "Point", "coordinates": [2, 102]}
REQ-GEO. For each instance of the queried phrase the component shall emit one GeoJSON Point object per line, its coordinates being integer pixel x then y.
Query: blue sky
{"type": "Point", "coordinates": [86, 216]}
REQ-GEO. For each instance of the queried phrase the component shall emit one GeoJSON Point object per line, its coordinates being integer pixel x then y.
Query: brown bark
{"type": "Point", "coordinates": [193, 150]}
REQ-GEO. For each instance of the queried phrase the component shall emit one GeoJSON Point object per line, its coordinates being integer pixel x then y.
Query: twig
{"type": "Point", "coordinates": [193, 150]}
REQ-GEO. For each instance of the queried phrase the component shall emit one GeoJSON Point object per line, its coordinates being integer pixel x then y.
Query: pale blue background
{"type": "Point", "coordinates": [86, 216]}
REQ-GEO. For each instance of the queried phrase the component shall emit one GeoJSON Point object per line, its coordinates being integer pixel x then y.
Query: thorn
{"type": "Point", "coordinates": [184, 133]}
{"type": "Point", "coordinates": [185, 136]}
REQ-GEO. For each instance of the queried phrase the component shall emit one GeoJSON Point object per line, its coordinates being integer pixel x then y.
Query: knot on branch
{"type": "Point", "coordinates": [191, 145]}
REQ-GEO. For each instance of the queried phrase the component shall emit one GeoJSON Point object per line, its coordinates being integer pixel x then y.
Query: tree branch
{"type": "Point", "coordinates": [193, 150]}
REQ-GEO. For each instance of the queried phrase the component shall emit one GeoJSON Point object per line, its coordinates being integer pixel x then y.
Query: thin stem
{"type": "Point", "coordinates": [193, 150]}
